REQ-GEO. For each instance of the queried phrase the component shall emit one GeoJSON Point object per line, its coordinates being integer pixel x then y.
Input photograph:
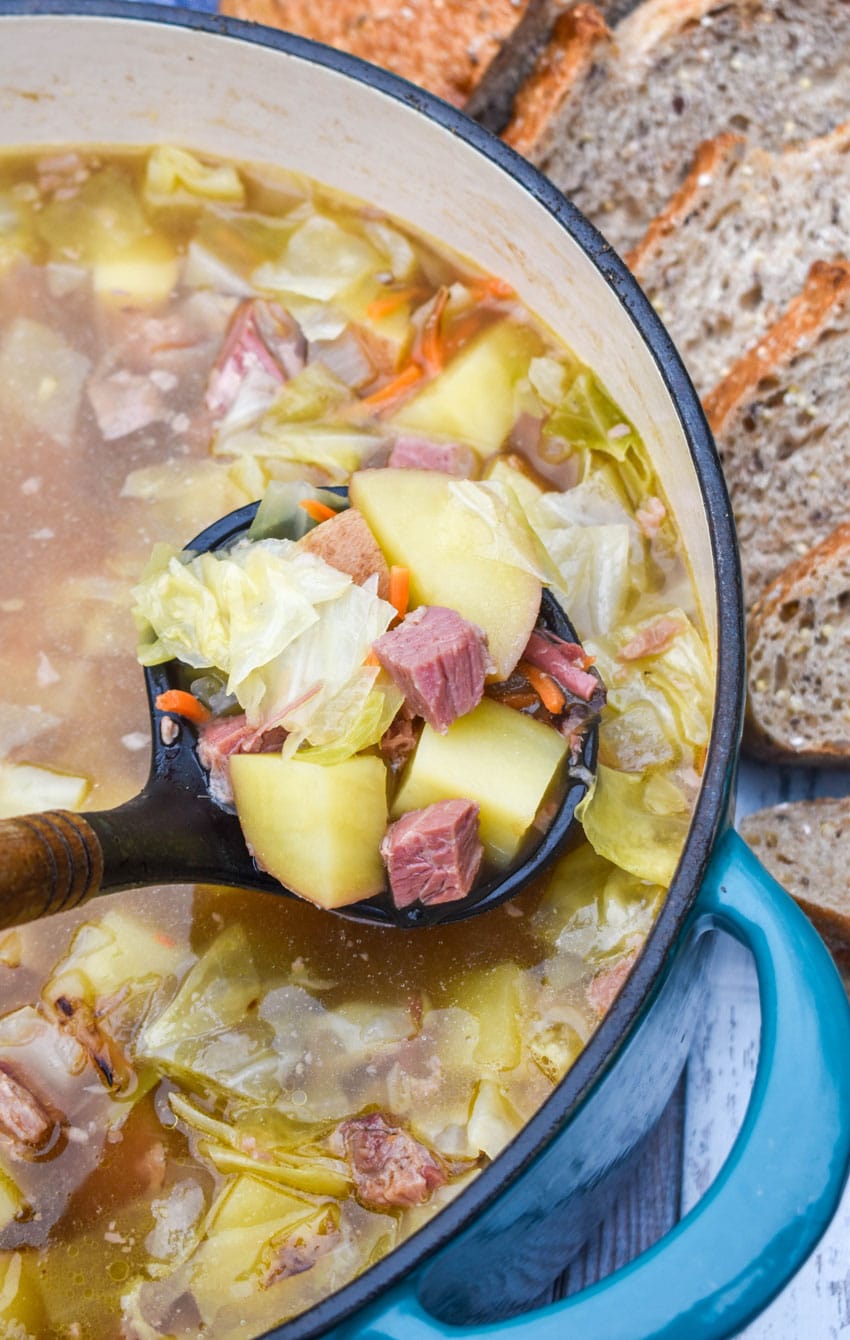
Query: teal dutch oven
{"type": "Point", "coordinates": [131, 74]}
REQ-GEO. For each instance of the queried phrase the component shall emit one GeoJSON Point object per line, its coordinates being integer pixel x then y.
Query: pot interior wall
{"type": "Point", "coordinates": [130, 81]}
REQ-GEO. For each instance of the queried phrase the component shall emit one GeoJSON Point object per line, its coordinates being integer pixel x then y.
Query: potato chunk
{"type": "Point", "coordinates": [317, 829]}
{"type": "Point", "coordinates": [447, 550]}
{"type": "Point", "coordinates": [499, 758]}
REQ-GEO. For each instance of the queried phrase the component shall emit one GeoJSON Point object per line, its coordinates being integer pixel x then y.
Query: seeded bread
{"type": "Point", "coordinates": [806, 847]}
{"type": "Point", "coordinates": [781, 419]}
{"type": "Point", "coordinates": [798, 708]}
{"type": "Point", "coordinates": [735, 244]}
{"type": "Point", "coordinates": [447, 46]}
{"type": "Point", "coordinates": [613, 116]}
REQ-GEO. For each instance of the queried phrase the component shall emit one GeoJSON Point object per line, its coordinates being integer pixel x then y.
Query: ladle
{"type": "Point", "coordinates": [174, 832]}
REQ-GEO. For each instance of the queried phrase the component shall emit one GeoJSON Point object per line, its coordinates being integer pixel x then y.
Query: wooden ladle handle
{"type": "Point", "coordinates": [48, 863]}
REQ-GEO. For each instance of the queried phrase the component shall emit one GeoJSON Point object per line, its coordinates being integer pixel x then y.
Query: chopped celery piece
{"type": "Point", "coordinates": [175, 177]}
{"type": "Point", "coordinates": [25, 788]}
{"type": "Point", "coordinates": [474, 398]}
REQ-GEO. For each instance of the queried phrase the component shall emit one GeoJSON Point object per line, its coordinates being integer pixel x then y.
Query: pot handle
{"type": "Point", "coordinates": [776, 1193]}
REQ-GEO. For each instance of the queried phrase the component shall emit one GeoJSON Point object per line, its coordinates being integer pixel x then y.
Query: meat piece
{"type": "Point", "coordinates": [606, 985]}
{"type": "Point", "coordinates": [433, 855]}
{"type": "Point", "coordinates": [390, 1167]}
{"type": "Point", "coordinates": [263, 341]}
{"type": "Point", "coordinates": [564, 661]}
{"type": "Point", "coordinates": [420, 453]}
{"type": "Point", "coordinates": [77, 1018]}
{"type": "Point", "coordinates": [347, 544]}
{"type": "Point", "coordinates": [439, 661]}
{"type": "Point", "coordinates": [23, 1117]}
{"type": "Point", "coordinates": [656, 637]}
{"type": "Point", "coordinates": [124, 402]}
{"type": "Point", "coordinates": [399, 739]}
{"type": "Point", "coordinates": [223, 736]}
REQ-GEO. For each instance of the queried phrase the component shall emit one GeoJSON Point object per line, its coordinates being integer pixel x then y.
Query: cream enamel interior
{"type": "Point", "coordinates": [127, 81]}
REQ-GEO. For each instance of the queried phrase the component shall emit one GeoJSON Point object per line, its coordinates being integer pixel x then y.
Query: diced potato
{"type": "Point", "coordinates": [473, 398]}
{"type": "Point", "coordinates": [499, 758]}
{"type": "Point", "coordinates": [144, 275]}
{"type": "Point", "coordinates": [25, 788]}
{"type": "Point", "coordinates": [22, 1311]}
{"type": "Point", "coordinates": [317, 829]}
{"type": "Point", "coordinates": [447, 553]}
{"type": "Point", "coordinates": [41, 378]}
{"type": "Point", "coordinates": [491, 995]}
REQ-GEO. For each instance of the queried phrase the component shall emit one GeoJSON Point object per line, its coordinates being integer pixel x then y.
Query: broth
{"type": "Point", "coordinates": [188, 1076]}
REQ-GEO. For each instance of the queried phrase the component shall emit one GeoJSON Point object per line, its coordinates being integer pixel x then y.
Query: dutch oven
{"type": "Point", "coordinates": [134, 74]}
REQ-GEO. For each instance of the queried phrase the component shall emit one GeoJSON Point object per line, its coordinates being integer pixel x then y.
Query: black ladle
{"type": "Point", "coordinates": [173, 832]}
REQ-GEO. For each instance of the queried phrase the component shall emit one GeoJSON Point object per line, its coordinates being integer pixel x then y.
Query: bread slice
{"type": "Point", "coordinates": [735, 243]}
{"type": "Point", "coordinates": [447, 46]}
{"type": "Point", "coordinates": [798, 707]}
{"type": "Point", "coordinates": [806, 847]}
{"type": "Point", "coordinates": [613, 115]}
{"type": "Point", "coordinates": [781, 419]}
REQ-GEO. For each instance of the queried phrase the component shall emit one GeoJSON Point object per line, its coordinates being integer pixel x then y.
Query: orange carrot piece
{"type": "Point", "coordinates": [371, 659]}
{"type": "Point", "coordinates": [551, 694]}
{"type": "Point", "coordinates": [318, 511]}
{"type": "Point", "coordinates": [488, 286]}
{"type": "Point", "coordinates": [430, 347]}
{"type": "Point", "coordinates": [400, 589]}
{"type": "Point", "coordinates": [403, 382]}
{"type": "Point", "coordinates": [182, 704]}
{"type": "Point", "coordinates": [390, 302]}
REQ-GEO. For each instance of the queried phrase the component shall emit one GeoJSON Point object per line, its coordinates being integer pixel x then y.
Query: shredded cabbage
{"type": "Point", "coordinates": [321, 260]}
{"type": "Point", "coordinates": [619, 825]}
{"type": "Point", "coordinates": [174, 176]}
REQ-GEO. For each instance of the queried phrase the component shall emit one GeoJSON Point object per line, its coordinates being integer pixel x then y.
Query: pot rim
{"type": "Point", "coordinates": [713, 804]}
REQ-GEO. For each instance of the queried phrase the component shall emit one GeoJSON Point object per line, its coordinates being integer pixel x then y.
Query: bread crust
{"type": "Point", "coordinates": [576, 38]}
{"type": "Point", "coordinates": [797, 582]}
{"type": "Point", "coordinates": [711, 155]}
{"type": "Point", "coordinates": [442, 45]}
{"type": "Point", "coordinates": [827, 286]}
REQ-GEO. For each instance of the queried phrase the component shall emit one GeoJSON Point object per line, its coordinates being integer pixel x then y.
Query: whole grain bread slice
{"type": "Point", "coordinates": [446, 46]}
{"type": "Point", "coordinates": [781, 419]}
{"type": "Point", "coordinates": [798, 708]}
{"type": "Point", "coordinates": [613, 115]}
{"type": "Point", "coordinates": [736, 242]}
{"type": "Point", "coordinates": [805, 845]}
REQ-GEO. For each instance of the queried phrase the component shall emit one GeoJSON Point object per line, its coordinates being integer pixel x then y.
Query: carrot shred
{"type": "Point", "coordinates": [489, 286]}
{"type": "Point", "coordinates": [182, 704]}
{"type": "Point", "coordinates": [391, 302]}
{"type": "Point", "coordinates": [370, 658]}
{"type": "Point", "coordinates": [400, 589]}
{"type": "Point", "coordinates": [318, 511]}
{"type": "Point", "coordinates": [699, 761]}
{"type": "Point", "coordinates": [403, 382]}
{"type": "Point", "coordinates": [430, 347]}
{"type": "Point", "coordinates": [551, 694]}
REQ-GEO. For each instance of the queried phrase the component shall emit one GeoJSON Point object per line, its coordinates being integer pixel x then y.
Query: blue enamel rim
{"type": "Point", "coordinates": [712, 810]}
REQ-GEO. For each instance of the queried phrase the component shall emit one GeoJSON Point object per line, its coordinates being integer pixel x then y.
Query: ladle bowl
{"type": "Point", "coordinates": [175, 832]}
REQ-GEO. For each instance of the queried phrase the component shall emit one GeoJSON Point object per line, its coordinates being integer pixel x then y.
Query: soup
{"type": "Point", "coordinates": [217, 1107]}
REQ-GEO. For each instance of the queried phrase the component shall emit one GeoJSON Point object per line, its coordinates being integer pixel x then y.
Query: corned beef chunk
{"type": "Point", "coordinates": [420, 453]}
{"type": "Point", "coordinates": [439, 661]}
{"type": "Point", "coordinates": [564, 661]}
{"type": "Point", "coordinates": [389, 1166]}
{"type": "Point", "coordinates": [399, 739]}
{"type": "Point", "coordinates": [221, 737]}
{"type": "Point", "coordinates": [263, 341]}
{"type": "Point", "coordinates": [433, 855]}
